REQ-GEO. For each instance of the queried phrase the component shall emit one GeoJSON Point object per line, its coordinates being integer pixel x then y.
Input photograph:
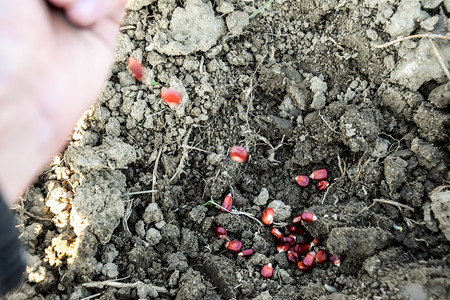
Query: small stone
{"type": "Point", "coordinates": [282, 211]}
{"type": "Point", "coordinates": [153, 236]}
{"type": "Point", "coordinates": [153, 213]}
{"type": "Point", "coordinates": [262, 198]}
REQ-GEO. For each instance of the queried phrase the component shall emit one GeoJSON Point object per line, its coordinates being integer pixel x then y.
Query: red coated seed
{"type": "Point", "coordinates": [171, 96]}
{"type": "Point", "coordinates": [319, 174]}
{"type": "Point", "coordinates": [321, 257]}
{"type": "Point", "coordinates": [267, 217]}
{"type": "Point", "coordinates": [238, 153]}
{"type": "Point", "coordinates": [322, 185]}
{"type": "Point", "coordinates": [302, 180]}
{"type": "Point", "coordinates": [336, 260]}
{"type": "Point", "coordinates": [314, 242]}
{"type": "Point", "coordinates": [220, 232]}
{"type": "Point", "coordinates": [297, 219]}
{"type": "Point", "coordinates": [247, 252]}
{"type": "Point", "coordinates": [135, 68]}
{"type": "Point", "coordinates": [308, 217]}
{"type": "Point", "coordinates": [276, 233]}
{"type": "Point", "coordinates": [233, 246]}
{"type": "Point", "coordinates": [267, 271]}
{"type": "Point", "coordinates": [227, 203]}
{"type": "Point", "coordinates": [296, 230]}
{"type": "Point", "coordinates": [302, 248]}
{"type": "Point", "coordinates": [310, 259]}
{"type": "Point", "coordinates": [292, 236]}
{"type": "Point", "coordinates": [292, 257]}
{"type": "Point", "coordinates": [283, 247]}
{"type": "Point", "coordinates": [287, 239]}
{"type": "Point", "coordinates": [302, 267]}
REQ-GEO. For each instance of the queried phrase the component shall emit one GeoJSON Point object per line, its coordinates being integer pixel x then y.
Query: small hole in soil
{"type": "Point", "coordinates": [426, 88]}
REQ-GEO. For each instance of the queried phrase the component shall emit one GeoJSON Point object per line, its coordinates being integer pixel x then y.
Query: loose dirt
{"type": "Point", "coordinates": [302, 87]}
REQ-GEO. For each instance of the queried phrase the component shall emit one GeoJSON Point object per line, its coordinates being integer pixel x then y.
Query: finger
{"type": "Point", "coordinates": [61, 3]}
{"type": "Point", "coordinates": [87, 12]}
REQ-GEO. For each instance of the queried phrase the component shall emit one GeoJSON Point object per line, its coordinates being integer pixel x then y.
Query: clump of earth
{"type": "Point", "coordinates": [120, 213]}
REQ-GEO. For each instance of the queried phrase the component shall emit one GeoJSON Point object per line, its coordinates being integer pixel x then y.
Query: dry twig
{"type": "Point", "coordinates": [416, 36]}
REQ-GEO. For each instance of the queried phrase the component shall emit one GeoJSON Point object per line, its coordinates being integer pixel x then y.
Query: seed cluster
{"type": "Point", "coordinates": [302, 254]}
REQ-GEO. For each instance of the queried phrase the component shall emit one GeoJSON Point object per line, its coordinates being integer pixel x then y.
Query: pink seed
{"type": "Point", "coordinates": [310, 259]}
{"type": "Point", "coordinates": [238, 153]}
{"type": "Point", "coordinates": [322, 185]}
{"type": "Point", "coordinates": [267, 271]}
{"type": "Point", "coordinates": [135, 68]}
{"type": "Point", "coordinates": [302, 180]}
{"type": "Point", "coordinates": [227, 203]}
{"type": "Point", "coordinates": [320, 174]}
{"type": "Point", "coordinates": [321, 257]}
{"type": "Point", "coordinates": [247, 252]}
{"type": "Point", "coordinates": [267, 217]}
{"type": "Point", "coordinates": [336, 260]}
{"type": "Point", "coordinates": [233, 246]}
{"type": "Point", "coordinates": [171, 96]}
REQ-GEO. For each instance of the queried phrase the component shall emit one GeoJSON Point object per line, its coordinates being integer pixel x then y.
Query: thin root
{"type": "Point", "coordinates": [155, 170]}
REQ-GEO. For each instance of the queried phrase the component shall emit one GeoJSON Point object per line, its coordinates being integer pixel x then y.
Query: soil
{"type": "Point", "coordinates": [300, 86]}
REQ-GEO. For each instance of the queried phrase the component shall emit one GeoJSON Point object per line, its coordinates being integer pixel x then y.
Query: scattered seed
{"type": "Point", "coordinates": [308, 217]}
{"type": "Point", "coordinates": [227, 203]}
{"type": "Point", "coordinates": [319, 174]}
{"type": "Point", "coordinates": [220, 232]}
{"type": "Point", "coordinates": [171, 96]}
{"type": "Point", "coordinates": [322, 185]}
{"type": "Point", "coordinates": [267, 217]}
{"type": "Point", "coordinates": [247, 252]}
{"type": "Point", "coordinates": [302, 180]}
{"type": "Point", "coordinates": [136, 69]}
{"type": "Point", "coordinates": [238, 153]}
{"type": "Point", "coordinates": [233, 246]}
{"type": "Point", "coordinates": [267, 271]}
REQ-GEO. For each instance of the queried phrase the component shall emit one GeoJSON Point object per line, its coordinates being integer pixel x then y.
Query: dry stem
{"type": "Point", "coordinates": [416, 36]}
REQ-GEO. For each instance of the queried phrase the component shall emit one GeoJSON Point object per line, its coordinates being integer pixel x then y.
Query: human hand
{"type": "Point", "coordinates": [53, 65]}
